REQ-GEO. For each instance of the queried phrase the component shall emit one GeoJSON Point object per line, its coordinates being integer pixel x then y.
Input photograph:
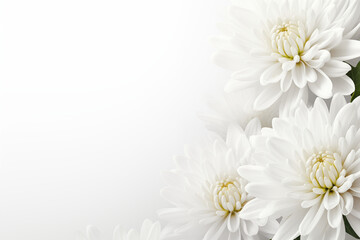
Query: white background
{"type": "Point", "coordinates": [96, 96]}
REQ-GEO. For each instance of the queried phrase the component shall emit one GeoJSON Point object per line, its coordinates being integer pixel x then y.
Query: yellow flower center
{"type": "Point", "coordinates": [229, 196]}
{"type": "Point", "coordinates": [324, 170]}
{"type": "Point", "coordinates": [288, 39]}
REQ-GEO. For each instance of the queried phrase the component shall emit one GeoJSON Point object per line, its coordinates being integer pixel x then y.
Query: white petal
{"type": "Point", "coordinates": [250, 228]}
{"type": "Point", "coordinates": [289, 102]}
{"type": "Point", "coordinates": [252, 173]}
{"type": "Point", "coordinates": [330, 38]}
{"type": "Point", "coordinates": [233, 222]}
{"type": "Point", "coordinates": [215, 231]}
{"type": "Point", "coordinates": [269, 95]}
{"type": "Point", "coordinates": [266, 190]}
{"type": "Point", "coordinates": [283, 149]}
{"type": "Point", "coordinates": [253, 127]}
{"type": "Point", "coordinates": [337, 103]}
{"type": "Point", "coordinates": [271, 75]}
{"type": "Point", "coordinates": [286, 80]}
{"type": "Point", "coordinates": [343, 85]}
{"type": "Point", "coordinates": [240, 143]}
{"type": "Point", "coordinates": [323, 86]}
{"type": "Point", "coordinates": [348, 203]}
{"type": "Point", "coordinates": [311, 202]}
{"type": "Point", "coordinates": [336, 68]}
{"type": "Point", "coordinates": [353, 32]}
{"type": "Point", "coordinates": [319, 232]}
{"type": "Point", "coordinates": [310, 54]}
{"type": "Point", "coordinates": [319, 60]}
{"type": "Point", "coordinates": [334, 217]}
{"type": "Point", "coordinates": [310, 74]}
{"type": "Point", "coordinates": [277, 209]}
{"type": "Point", "coordinates": [288, 65]}
{"type": "Point", "coordinates": [235, 235]}
{"type": "Point", "coordinates": [289, 227]}
{"type": "Point", "coordinates": [243, 79]}
{"type": "Point", "coordinates": [299, 75]}
{"type": "Point", "coordinates": [335, 233]}
{"type": "Point", "coordinates": [234, 133]}
{"type": "Point", "coordinates": [252, 209]}
{"type": "Point", "coordinates": [331, 199]}
{"type": "Point", "coordinates": [311, 219]}
{"type": "Point", "coordinates": [271, 227]}
{"type": "Point", "coordinates": [347, 49]}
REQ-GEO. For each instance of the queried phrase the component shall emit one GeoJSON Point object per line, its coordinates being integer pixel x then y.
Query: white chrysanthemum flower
{"type": "Point", "coordinates": [149, 231]}
{"type": "Point", "coordinates": [291, 48]}
{"type": "Point", "coordinates": [208, 194]}
{"type": "Point", "coordinates": [307, 171]}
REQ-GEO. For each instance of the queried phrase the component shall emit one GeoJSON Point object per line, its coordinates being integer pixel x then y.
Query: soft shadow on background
{"type": "Point", "coordinates": [96, 96]}
{"type": "Point", "coordinates": [95, 99]}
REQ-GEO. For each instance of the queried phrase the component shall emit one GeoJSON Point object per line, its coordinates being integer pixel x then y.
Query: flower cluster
{"type": "Point", "coordinates": [282, 159]}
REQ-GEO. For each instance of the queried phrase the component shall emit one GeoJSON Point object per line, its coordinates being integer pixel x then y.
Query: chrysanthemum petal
{"type": "Point", "coordinates": [343, 85]}
{"type": "Point", "coordinates": [265, 191]}
{"type": "Point", "coordinates": [337, 103]}
{"type": "Point", "coordinates": [334, 217]}
{"type": "Point", "coordinates": [215, 231]}
{"type": "Point", "coordinates": [235, 235]}
{"type": "Point", "coordinates": [299, 75]}
{"type": "Point", "coordinates": [233, 222]}
{"type": "Point", "coordinates": [323, 86]}
{"type": "Point", "coordinates": [311, 219]}
{"type": "Point", "coordinates": [252, 209]}
{"type": "Point", "coordinates": [251, 172]}
{"type": "Point", "coordinates": [348, 203]}
{"type": "Point", "coordinates": [336, 68]}
{"type": "Point", "coordinates": [346, 50]}
{"type": "Point", "coordinates": [267, 97]}
{"type": "Point", "coordinates": [272, 74]}
{"type": "Point", "coordinates": [289, 227]}
{"type": "Point", "coordinates": [250, 228]}
{"type": "Point", "coordinates": [331, 199]}
{"type": "Point", "coordinates": [335, 233]}
{"type": "Point", "coordinates": [310, 75]}
{"type": "Point", "coordinates": [253, 127]}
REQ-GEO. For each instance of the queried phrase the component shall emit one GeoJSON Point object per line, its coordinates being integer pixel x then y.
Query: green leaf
{"type": "Point", "coordinates": [298, 238]}
{"type": "Point", "coordinates": [349, 229]}
{"type": "Point", "coordinates": [354, 74]}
